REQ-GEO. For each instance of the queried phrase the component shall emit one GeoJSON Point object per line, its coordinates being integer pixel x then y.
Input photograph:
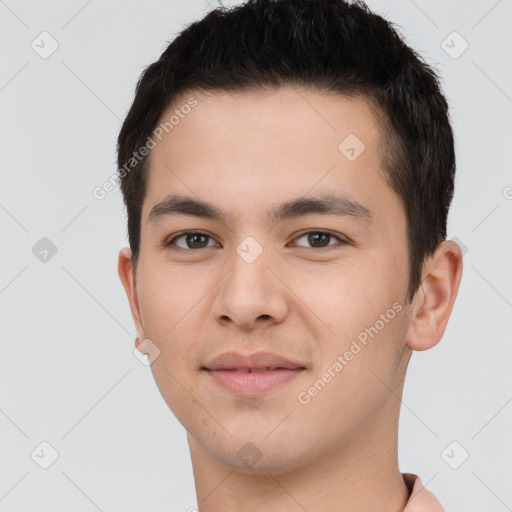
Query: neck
{"type": "Point", "coordinates": [360, 474]}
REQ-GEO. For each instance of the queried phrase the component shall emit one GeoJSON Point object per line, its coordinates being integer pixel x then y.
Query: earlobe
{"type": "Point", "coordinates": [434, 300]}
{"type": "Point", "coordinates": [127, 276]}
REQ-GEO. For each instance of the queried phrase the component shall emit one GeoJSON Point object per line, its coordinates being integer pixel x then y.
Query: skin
{"type": "Point", "coordinates": [245, 153]}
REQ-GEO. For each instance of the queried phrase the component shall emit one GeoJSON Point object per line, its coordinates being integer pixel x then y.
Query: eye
{"type": "Point", "coordinates": [321, 239]}
{"type": "Point", "coordinates": [198, 240]}
{"type": "Point", "coordinates": [192, 240]}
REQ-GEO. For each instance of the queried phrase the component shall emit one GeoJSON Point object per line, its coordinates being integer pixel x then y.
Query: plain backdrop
{"type": "Point", "coordinates": [68, 376]}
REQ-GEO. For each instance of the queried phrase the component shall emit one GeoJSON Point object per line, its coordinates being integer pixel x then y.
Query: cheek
{"type": "Point", "coordinates": [171, 305]}
{"type": "Point", "coordinates": [344, 296]}
{"type": "Point", "coordinates": [169, 297]}
{"type": "Point", "coordinates": [358, 310]}
{"type": "Point", "coordinates": [368, 355]}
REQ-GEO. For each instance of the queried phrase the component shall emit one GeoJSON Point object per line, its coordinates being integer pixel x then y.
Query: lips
{"type": "Point", "coordinates": [251, 363]}
{"type": "Point", "coordinates": [255, 370]}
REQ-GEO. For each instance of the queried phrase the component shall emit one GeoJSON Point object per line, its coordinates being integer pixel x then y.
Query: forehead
{"type": "Point", "coordinates": [251, 149]}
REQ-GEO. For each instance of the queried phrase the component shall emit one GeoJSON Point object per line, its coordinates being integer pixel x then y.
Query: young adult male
{"type": "Point", "coordinates": [287, 169]}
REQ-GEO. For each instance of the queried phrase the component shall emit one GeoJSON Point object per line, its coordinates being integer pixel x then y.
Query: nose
{"type": "Point", "coordinates": [250, 295]}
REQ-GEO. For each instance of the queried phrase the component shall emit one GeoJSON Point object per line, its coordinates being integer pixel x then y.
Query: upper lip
{"type": "Point", "coordinates": [258, 360]}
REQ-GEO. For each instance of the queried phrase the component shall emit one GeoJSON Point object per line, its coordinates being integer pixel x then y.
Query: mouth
{"type": "Point", "coordinates": [254, 370]}
{"type": "Point", "coordinates": [251, 374]}
{"type": "Point", "coordinates": [252, 381]}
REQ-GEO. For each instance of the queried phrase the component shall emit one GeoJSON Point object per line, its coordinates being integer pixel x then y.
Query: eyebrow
{"type": "Point", "coordinates": [325, 204]}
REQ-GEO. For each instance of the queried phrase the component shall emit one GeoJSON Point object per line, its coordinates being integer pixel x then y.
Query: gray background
{"type": "Point", "coordinates": [68, 375]}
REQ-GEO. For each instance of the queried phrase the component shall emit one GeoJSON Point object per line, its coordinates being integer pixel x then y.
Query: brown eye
{"type": "Point", "coordinates": [192, 240]}
{"type": "Point", "coordinates": [320, 239]}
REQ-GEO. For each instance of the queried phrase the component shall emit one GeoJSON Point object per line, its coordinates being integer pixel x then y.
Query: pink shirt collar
{"type": "Point", "coordinates": [420, 500]}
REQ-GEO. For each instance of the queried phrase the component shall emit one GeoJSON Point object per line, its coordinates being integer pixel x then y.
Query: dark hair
{"type": "Point", "coordinates": [328, 45]}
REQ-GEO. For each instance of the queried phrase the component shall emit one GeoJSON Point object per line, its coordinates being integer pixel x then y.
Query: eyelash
{"type": "Point", "coordinates": [341, 241]}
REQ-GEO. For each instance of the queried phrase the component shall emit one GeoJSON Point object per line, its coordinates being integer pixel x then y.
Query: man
{"type": "Point", "coordinates": [287, 169]}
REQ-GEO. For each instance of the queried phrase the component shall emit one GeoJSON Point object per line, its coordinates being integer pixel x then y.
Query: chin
{"type": "Point", "coordinates": [260, 458]}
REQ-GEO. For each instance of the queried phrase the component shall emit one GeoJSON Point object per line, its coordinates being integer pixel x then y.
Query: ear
{"type": "Point", "coordinates": [433, 302]}
{"type": "Point", "coordinates": [128, 278]}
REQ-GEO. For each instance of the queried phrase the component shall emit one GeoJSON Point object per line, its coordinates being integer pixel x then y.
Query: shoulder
{"type": "Point", "coordinates": [420, 499]}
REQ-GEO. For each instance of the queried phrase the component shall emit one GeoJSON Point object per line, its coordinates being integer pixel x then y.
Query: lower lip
{"type": "Point", "coordinates": [251, 384]}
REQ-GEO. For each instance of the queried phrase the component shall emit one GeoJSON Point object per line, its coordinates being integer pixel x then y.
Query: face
{"type": "Point", "coordinates": [322, 284]}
